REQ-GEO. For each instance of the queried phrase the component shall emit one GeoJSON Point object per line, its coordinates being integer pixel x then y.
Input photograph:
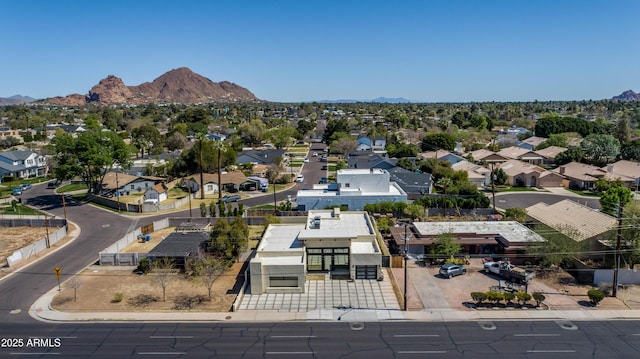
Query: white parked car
{"type": "Point", "coordinates": [306, 160]}
{"type": "Point", "coordinates": [300, 178]}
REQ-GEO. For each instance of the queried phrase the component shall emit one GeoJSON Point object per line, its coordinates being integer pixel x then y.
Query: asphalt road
{"type": "Point", "coordinates": [99, 229]}
{"type": "Point", "coordinates": [497, 339]}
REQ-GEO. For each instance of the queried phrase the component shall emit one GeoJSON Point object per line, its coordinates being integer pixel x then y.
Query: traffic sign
{"type": "Point", "coordinates": [57, 270]}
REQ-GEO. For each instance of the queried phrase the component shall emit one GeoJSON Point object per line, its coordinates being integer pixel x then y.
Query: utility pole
{"type": "Point", "coordinates": [406, 253]}
{"type": "Point", "coordinates": [493, 188]}
{"type": "Point", "coordinates": [46, 226]}
{"type": "Point", "coordinates": [118, 191]}
{"type": "Point", "coordinates": [614, 291]}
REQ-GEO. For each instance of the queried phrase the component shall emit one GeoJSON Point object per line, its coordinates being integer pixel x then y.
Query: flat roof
{"type": "Point", "coordinates": [393, 191]}
{"type": "Point", "coordinates": [512, 231]}
{"type": "Point", "coordinates": [281, 237]}
{"type": "Point", "coordinates": [362, 247]}
{"type": "Point", "coordinates": [345, 225]}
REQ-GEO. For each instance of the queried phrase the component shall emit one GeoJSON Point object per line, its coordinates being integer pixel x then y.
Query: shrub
{"type": "Point", "coordinates": [509, 297]}
{"type": "Point", "coordinates": [144, 265]}
{"type": "Point", "coordinates": [523, 297]}
{"type": "Point", "coordinates": [117, 298]}
{"type": "Point", "coordinates": [479, 297]}
{"type": "Point", "coordinates": [495, 297]}
{"type": "Point", "coordinates": [595, 295]}
{"type": "Point", "coordinates": [539, 298]}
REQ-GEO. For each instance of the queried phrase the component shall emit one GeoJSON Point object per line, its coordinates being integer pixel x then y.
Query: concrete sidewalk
{"type": "Point", "coordinates": [41, 310]}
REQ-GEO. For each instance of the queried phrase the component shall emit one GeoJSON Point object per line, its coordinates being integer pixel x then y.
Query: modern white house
{"type": "Point", "coordinates": [354, 188]}
{"type": "Point", "coordinates": [342, 244]}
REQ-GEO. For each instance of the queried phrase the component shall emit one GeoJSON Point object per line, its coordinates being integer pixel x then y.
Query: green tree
{"type": "Point", "coordinates": [623, 130]}
{"type": "Point", "coordinates": [90, 156]}
{"type": "Point", "coordinates": [253, 132]}
{"type": "Point", "coordinates": [304, 128]}
{"type": "Point", "coordinates": [445, 245]}
{"type": "Point", "coordinates": [500, 176]}
{"type": "Point", "coordinates": [281, 136]}
{"type": "Point", "coordinates": [630, 150]}
{"type": "Point", "coordinates": [570, 155]}
{"type": "Point", "coordinates": [598, 147]}
{"type": "Point", "coordinates": [612, 198]}
{"type": "Point", "coordinates": [435, 141]}
{"type": "Point", "coordinates": [344, 145]}
{"type": "Point", "coordinates": [334, 126]}
{"type": "Point", "coordinates": [147, 137]}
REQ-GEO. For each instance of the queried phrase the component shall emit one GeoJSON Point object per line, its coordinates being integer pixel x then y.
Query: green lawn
{"type": "Point", "coordinates": [18, 209]}
{"type": "Point", "coordinates": [72, 187]}
{"type": "Point", "coordinates": [584, 193]}
{"type": "Point", "coordinates": [516, 189]}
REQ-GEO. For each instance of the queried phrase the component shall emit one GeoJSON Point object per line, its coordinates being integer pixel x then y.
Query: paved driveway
{"type": "Point", "coordinates": [327, 294]}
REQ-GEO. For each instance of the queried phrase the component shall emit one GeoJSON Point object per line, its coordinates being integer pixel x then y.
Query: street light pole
{"type": "Point", "coordinates": [406, 241]}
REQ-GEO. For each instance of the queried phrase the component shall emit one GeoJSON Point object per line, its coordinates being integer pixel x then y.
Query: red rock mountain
{"type": "Point", "coordinates": [176, 86]}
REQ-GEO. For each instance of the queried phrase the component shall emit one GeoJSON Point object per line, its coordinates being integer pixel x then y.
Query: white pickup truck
{"type": "Point", "coordinates": [508, 271]}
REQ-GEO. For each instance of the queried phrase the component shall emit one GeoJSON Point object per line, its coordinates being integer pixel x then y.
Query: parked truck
{"type": "Point", "coordinates": [508, 271]}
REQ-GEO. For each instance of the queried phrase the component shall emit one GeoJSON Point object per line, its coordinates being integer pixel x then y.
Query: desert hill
{"type": "Point", "coordinates": [176, 86]}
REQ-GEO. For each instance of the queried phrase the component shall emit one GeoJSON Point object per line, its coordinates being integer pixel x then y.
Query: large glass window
{"type": "Point", "coordinates": [327, 259]}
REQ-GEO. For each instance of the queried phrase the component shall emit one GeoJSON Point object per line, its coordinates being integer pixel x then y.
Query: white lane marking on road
{"type": "Point", "coordinates": [171, 337]}
{"type": "Point", "coordinates": [415, 335]}
{"type": "Point", "coordinates": [34, 353]}
{"type": "Point", "coordinates": [536, 335]}
{"type": "Point", "coordinates": [422, 352]}
{"type": "Point", "coordinates": [293, 336]}
{"type": "Point", "coordinates": [551, 351]}
{"type": "Point", "coordinates": [284, 353]}
{"type": "Point", "coordinates": [162, 353]}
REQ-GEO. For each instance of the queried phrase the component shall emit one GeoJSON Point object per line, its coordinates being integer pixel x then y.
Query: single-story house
{"type": "Point", "coordinates": [157, 193]}
{"type": "Point", "coordinates": [573, 219]}
{"type": "Point", "coordinates": [124, 184]}
{"type": "Point", "coordinates": [502, 238]}
{"type": "Point", "coordinates": [368, 159]}
{"type": "Point", "coordinates": [476, 174]}
{"type": "Point", "coordinates": [528, 175]}
{"type": "Point", "coordinates": [180, 246]}
{"type": "Point", "coordinates": [531, 143]}
{"type": "Point", "coordinates": [550, 153]}
{"type": "Point", "coordinates": [264, 156]}
{"type": "Point", "coordinates": [415, 184]}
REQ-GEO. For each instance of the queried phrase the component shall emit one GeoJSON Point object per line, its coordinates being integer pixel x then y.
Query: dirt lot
{"type": "Point", "coordinates": [13, 238]}
{"type": "Point", "coordinates": [97, 287]}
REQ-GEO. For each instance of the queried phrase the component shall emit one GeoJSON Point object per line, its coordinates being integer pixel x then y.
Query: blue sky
{"type": "Point", "coordinates": [305, 50]}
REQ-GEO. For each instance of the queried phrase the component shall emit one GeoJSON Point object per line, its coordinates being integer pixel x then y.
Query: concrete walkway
{"type": "Point", "coordinates": [327, 294]}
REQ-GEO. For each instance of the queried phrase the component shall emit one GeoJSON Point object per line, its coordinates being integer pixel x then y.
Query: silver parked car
{"type": "Point", "coordinates": [451, 270]}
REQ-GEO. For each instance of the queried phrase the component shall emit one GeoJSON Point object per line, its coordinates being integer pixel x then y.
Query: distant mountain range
{"type": "Point", "coordinates": [176, 86]}
{"type": "Point", "coordinates": [628, 95]}
{"type": "Point", "coordinates": [375, 100]}
{"type": "Point", "coordinates": [14, 100]}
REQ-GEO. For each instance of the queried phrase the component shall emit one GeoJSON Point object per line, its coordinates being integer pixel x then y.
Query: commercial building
{"type": "Point", "coordinates": [343, 244]}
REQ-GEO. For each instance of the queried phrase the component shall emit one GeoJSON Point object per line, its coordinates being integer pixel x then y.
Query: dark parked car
{"type": "Point", "coordinates": [53, 184]}
{"type": "Point", "coordinates": [451, 270]}
{"type": "Point", "coordinates": [323, 180]}
{"type": "Point", "coordinates": [232, 198]}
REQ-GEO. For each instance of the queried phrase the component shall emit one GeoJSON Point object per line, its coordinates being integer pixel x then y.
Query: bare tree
{"type": "Point", "coordinates": [163, 272]}
{"type": "Point", "coordinates": [74, 283]}
{"type": "Point", "coordinates": [207, 270]}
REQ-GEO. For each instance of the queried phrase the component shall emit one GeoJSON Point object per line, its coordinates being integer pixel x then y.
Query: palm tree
{"type": "Point", "coordinates": [201, 137]}
{"type": "Point", "coordinates": [220, 147]}
{"type": "Point", "coordinates": [444, 183]}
